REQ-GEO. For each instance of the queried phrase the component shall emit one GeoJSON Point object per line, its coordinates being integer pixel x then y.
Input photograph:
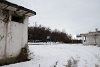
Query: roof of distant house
{"type": "Point", "coordinates": [14, 7]}
{"type": "Point", "coordinates": [91, 33]}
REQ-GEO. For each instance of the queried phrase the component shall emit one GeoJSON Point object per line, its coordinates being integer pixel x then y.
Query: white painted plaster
{"type": "Point", "coordinates": [15, 37]}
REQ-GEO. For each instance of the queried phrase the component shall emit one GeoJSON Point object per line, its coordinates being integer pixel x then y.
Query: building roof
{"type": "Point", "coordinates": [14, 7]}
{"type": "Point", "coordinates": [91, 34]}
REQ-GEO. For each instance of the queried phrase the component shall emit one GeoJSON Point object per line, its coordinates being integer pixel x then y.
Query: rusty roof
{"type": "Point", "coordinates": [14, 7]}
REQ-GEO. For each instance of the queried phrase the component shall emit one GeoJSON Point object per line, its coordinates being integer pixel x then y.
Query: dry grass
{"type": "Point", "coordinates": [72, 63]}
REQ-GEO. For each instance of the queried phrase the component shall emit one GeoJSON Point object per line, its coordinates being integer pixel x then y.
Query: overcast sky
{"type": "Point", "coordinates": [73, 16]}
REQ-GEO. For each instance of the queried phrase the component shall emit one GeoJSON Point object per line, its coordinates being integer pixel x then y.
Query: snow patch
{"type": "Point", "coordinates": [62, 55]}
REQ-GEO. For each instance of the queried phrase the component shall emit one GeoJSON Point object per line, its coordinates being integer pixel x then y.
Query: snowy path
{"type": "Point", "coordinates": [62, 55]}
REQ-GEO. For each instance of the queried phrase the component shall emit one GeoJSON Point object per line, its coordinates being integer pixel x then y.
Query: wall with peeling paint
{"type": "Point", "coordinates": [2, 40]}
{"type": "Point", "coordinates": [13, 35]}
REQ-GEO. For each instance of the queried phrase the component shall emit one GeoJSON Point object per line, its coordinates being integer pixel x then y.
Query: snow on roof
{"type": "Point", "coordinates": [14, 7]}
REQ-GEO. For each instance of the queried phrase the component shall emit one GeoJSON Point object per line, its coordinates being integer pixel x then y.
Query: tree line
{"type": "Point", "coordinates": [40, 33]}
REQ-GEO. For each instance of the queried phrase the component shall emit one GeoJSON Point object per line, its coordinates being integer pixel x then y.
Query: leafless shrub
{"type": "Point", "coordinates": [72, 63]}
{"type": "Point", "coordinates": [56, 64]}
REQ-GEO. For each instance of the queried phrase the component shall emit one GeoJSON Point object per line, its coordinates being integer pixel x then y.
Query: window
{"type": "Point", "coordinates": [17, 19]}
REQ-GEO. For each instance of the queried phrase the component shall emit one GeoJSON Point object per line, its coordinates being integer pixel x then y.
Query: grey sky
{"type": "Point", "coordinates": [75, 16]}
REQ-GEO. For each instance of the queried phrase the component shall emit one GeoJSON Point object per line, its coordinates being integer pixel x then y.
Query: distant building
{"type": "Point", "coordinates": [13, 29]}
{"type": "Point", "coordinates": [91, 38]}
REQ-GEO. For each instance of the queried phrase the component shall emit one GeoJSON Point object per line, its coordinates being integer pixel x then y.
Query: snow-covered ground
{"type": "Point", "coordinates": [62, 55]}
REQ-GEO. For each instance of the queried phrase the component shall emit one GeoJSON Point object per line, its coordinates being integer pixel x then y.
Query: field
{"type": "Point", "coordinates": [61, 55]}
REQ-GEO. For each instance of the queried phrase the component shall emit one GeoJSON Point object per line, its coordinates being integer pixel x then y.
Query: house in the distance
{"type": "Point", "coordinates": [91, 38]}
{"type": "Point", "coordinates": [13, 31]}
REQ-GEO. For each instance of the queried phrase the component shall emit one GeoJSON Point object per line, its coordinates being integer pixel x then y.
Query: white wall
{"type": "Point", "coordinates": [25, 32]}
{"type": "Point", "coordinates": [15, 37]}
{"type": "Point", "coordinates": [91, 40]}
{"type": "Point", "coordinates": [2, 38]}
{"type": "Point", "coordinates": [98, 40]}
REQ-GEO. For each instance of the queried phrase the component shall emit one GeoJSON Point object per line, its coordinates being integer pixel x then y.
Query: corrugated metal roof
{"type": "Point", "coordinates": [14, 7]}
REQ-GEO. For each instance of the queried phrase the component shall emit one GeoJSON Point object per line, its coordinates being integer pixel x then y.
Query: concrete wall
{"type": "Point", "coordinates": [2, 38]}
{"type": "Point", "coordinates": [92, 40]}
{"type": "Point", "coordinates": [13, 37]}
{"type": "Point", "coordinates": [98, 40]}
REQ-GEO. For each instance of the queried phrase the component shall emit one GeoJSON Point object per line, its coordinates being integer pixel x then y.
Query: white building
{"type": "Point", "coordinates": [13, 29]}
{"type": "Point", "coordinates": [91, 38]}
